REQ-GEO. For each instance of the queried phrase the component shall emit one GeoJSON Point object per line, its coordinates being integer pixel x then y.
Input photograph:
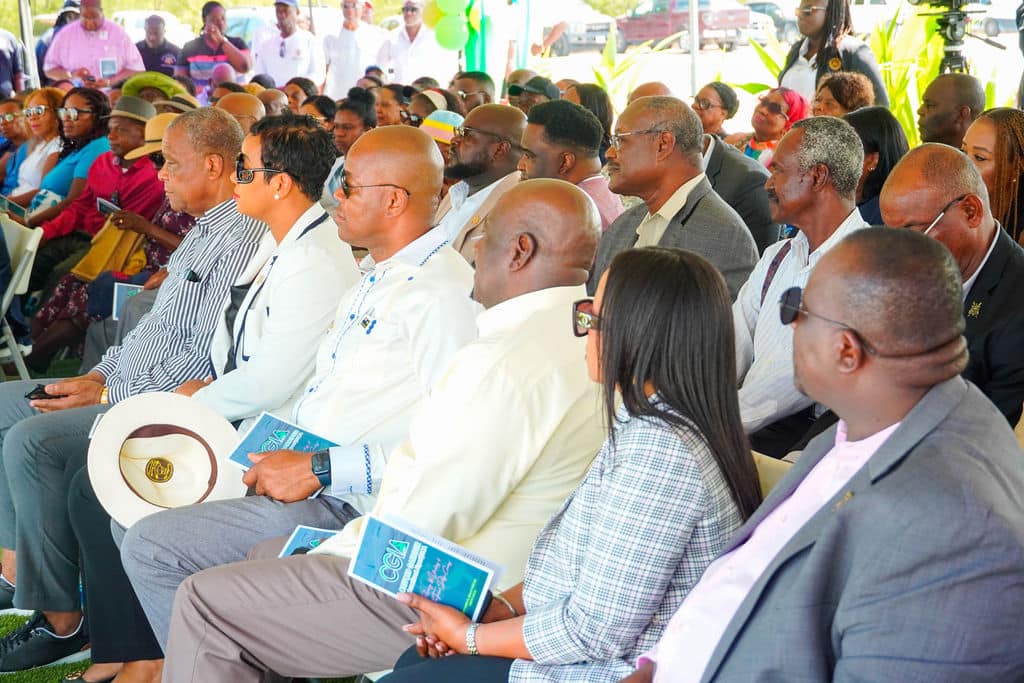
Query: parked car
{"type": "Point", "coordinates": [867, 14]}
{"type": "Point", "coordinates": [586, 28]}
{"type": "Point", "coordinates": [786, 29]}
{"type": "Point", "coordinates": [761, 26]}
{"type": "Point", "coordinates": [993, 17]}
{"type": "Point", "coordinates": [720, 21]}
{"type": "Point", "coordinates": [134, 23]}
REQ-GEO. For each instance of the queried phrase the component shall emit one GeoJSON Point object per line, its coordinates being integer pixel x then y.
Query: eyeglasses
{"type": "Point", "coordinates": [11, 116]}
{"type": "Point", "coordinates": [410, 9]}
{"type": "Point", "coordinates": [791, 306]}
{"type": "Point", "coordinates": [704, 104]}
{"type": "Point", "coordinates": [583, 317]}
{"type": "Point", "coordinates": [616, 139]}
{"type": "Point", "coordinates": [244, 176]}
{"type": "Point", "coordinates": [72, 113]}
{"type": "Point", "coordinates": [463, 95]}
{"type": "Point", "coordinates": [464, 131]}
{"type": "Point", "coordinates": [942, 213]}
{"type": "Point", "coordinates": [346, 189]}
{"type": "Point", "coordinates": [808, 11]}
{"type": "Point", "coordinates": [410, 118]}
{"type": "Point", "coordinates": [772, 107]}
{"type": "Point", "coordinates": [36, 111]}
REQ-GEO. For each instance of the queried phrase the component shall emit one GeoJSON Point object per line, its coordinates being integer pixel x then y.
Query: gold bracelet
{"type": "Point", "coordinates": [503, 600]}
{"type": "Point", "coordinates": [104, 395]}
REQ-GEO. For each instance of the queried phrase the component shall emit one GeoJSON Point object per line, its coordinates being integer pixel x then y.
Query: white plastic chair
{"type": "Point", "coordinates": [22, 245]}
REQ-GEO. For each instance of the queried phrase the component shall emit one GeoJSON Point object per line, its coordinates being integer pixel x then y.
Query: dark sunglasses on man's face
{"type": "Point", "coordinates": [791, 307]}
{"type": "Point", "coordinates": [583, 317]}
{"type": "Point", "coordinates": [346, 188]}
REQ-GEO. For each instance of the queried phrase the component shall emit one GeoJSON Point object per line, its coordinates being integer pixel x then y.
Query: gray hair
{"type": "Point", "coordinates": [211, 131]}
{"type": "Point", "coordinates": [676, 117]}
{"type": "Point", "coordinates": [835, 144]}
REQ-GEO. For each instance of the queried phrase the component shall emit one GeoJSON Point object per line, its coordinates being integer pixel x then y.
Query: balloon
{"type": "Point", "coordinates": [453, 7]}
{"type": "Point", "coordinates": [431, 14]}
{"type": "Point", "coordinates": [475, 14]}
{"type": "Point", "coordinates": [452, 32]}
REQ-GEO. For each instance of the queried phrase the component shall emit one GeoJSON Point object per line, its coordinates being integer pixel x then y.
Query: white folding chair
{"type": "Point", "coordinates": [22, 245]}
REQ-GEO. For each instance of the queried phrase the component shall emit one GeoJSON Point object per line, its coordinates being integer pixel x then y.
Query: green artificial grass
{"type": "Point", "coordinates": [44, 674]}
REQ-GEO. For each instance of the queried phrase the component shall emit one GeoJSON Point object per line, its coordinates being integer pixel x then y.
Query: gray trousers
{"type": "Point", "coordinates": [298, 616]}
{"type": "Point", "coordinates": [41, 453]}
{"type": "Point", "coordinates": [160, 551]}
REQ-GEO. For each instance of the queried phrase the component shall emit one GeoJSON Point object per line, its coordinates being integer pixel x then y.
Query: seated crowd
{"type": "Point", "coordinates": [560, 338]}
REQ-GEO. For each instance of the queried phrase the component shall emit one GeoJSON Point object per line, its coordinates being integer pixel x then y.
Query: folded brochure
{"type": "Point", "coordinates": [395, 557]}
{"type": "Point", "coordinates": [304, 539]}
{"type": "Point", "coordinates": [270, 433]}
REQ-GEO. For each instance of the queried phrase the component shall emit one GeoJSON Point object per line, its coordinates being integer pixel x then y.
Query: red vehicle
{"type": "Point", "coordinates": [720, 21]}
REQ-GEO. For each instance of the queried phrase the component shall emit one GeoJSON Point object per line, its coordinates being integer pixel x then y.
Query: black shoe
{"type": "Point", "coordinates": [35, 644]}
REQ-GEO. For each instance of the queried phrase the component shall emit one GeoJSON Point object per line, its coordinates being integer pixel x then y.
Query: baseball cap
{"type": "Point", "coordinates": [290, 3]}
{"type": "Point", "coordinates": [538, 85]}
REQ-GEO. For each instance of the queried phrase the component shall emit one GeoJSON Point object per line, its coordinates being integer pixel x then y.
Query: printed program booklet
{"type": "Point", "coordinates": [304, 539]}
{"type": "Point", "coordinates": [122, 292]}
{"type": "Point", "coordinates": [271, 433]}
{"type": "Point", "coordinates": [395, 557]}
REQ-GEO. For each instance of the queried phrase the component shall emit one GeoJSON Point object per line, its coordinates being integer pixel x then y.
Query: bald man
{"type": "Point", "coordinates": [485, 161]}
{"type": "Point", "coordinates": [514, 415]}
{"type": "Point", "coordinates": [400, 326]}
{"type": "Point", "coordinates": [274, 101]}
{"type": "Point", "coordinates": [949, 105]}
{"type": "Point", "coordinates": [652, 89]}
{"type": "Point", "coordinates": [892, 550]}
{"type": "Point", "coordinates": [245, 108]}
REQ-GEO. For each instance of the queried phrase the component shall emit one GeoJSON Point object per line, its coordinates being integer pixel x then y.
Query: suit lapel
{"type": "Point", "coordinates": [683, 215]}
{"type": "Point", "coordinates": [976, 305]}
{"type": "Point", "coordinates": [929, 412]}
{"type": "Point", "coordinates": [714, 166]}
{"type": "Point", "coordinates": [470, 226]}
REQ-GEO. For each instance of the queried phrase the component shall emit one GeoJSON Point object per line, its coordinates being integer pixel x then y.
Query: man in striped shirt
{"type": "Point", "coordinates": [44, 438]}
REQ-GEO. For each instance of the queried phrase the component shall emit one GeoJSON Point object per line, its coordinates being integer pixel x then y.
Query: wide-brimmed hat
{"type": "Point", "coordinates": [538, 85]}
{"type": "Point", "coordinates": [155, 129]}
{"type": "Point", "coordinates": [152, 79]}
{"type": "Point", "coordinates": [157, 451]}
{"type": "Point", "coordinates": [134, 108]}
{"type": "Point", "coordinates": [183, 102]}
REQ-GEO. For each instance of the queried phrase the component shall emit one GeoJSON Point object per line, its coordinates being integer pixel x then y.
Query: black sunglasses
{"type": "Point", "coordinates": [464, 131]}
{"type": "Point", "coordinates": [583, 317]}
{"type": "Point", "coordinates": [791, 305]}
{"type": "Point", "coordinates": [244, 175]}
{"type": "Point", "coordinates": [773, 107]}
{"type": "Point", "coordinates": [346, 189]}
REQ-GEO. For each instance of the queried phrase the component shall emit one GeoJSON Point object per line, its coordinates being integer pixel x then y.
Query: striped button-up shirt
{"type": "Point", "coordinates": [609, 570]}
{"type": "Point", "coordinates": [171, 343]}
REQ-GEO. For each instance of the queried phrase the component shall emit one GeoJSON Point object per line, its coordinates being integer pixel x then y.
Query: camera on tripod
{"type": "Point", "coordinates": [952, 24]}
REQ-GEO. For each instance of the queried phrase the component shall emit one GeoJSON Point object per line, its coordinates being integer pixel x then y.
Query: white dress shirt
{"type": "Point", "coordinates": [288, 307]}
{"type": "Point", "coordinates": [764, 346]}
{"type": "Point", "coordinates": [348, 54]}
{"type": "Point", "coordinates": [693, 633]}
{"type": "Point", "coordinates": [516, 417]}
{"type": "Point", "coordinates": [652, 228]}
{"type": "Point", "coordinates": [405, 60]}
{"type": "Point", "coordinates": [300, 54]}
{"type": "Point", "coordinates": [802, 76]}
{"type": "Point", "coordinates": [392, 337]}
{"type": "Point", "coordinates": [463, 206]}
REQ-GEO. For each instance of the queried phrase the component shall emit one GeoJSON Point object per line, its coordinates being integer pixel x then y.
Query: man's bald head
{"type": "Point", "coordinates": [508, 122]}
{"type": "Point", "coordinates": [247, 109]}
{"type": "Point", "coordinates": [274, 101]}
{"type": "Point", "coordinates": [542, 233]}
{"type": "Point", "coordinates": [401, 155]}
{"type": "Point", "coordinates": [932, 165]}
{"type": "Point", "coordinates": [652, 89]}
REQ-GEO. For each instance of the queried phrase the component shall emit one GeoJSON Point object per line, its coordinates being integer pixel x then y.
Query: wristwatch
{"type": "Point", "coordinates": [104, 395]}
{"type": "Point", "coordinates": [321, 464]}
{"type": "Point", "coordinates": [471, 640]}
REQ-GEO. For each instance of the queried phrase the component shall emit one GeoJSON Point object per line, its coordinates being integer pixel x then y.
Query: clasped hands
{"type": "Point", "coordinates": [283, 475]}
{"type": "Point", "coordinates": [441, 630]}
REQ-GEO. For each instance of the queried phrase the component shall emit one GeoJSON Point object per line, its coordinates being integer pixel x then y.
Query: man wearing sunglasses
{"type": "Point", "coordinates": [353, 48]}
{"type": "Point", "coordinates": [484, 158]}
{"type": "Point", "coordinates": [892, 550]}
{"type": "Point", "coordinates": [412, 50]}
{"type": "Point", "coordinates": [812, 186]}
{"type": "Point", "coordinates": [473, 88]}
{"type": "Point", "coordinates": [293, 52]}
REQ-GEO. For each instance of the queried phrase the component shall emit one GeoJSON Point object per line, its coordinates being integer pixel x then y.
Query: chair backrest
{"type": "Point", "coordinates": [769, 471]}
{"type": "Point", "coordinates": [22, 245]}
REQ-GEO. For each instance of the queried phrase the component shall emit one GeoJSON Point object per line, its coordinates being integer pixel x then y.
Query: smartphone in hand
{"type": "Point", "coordinates": [39, 393]}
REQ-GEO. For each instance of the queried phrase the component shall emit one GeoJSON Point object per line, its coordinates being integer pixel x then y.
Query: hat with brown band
{"type": "Point", "coordinates": [155, 129]}
{"type": "Point", "coordinates": [159, 451]}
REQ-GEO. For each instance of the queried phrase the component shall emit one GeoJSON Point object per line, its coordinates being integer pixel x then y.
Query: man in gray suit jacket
{"type": "Point", "coordinates": [893, 550]}
{"type": "Point", "coordinates": [739, 181]}
{"type": "Point", "coordinates": [656, 155]}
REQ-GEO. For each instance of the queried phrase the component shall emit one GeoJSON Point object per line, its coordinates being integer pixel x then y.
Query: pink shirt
{"type": "Point", "coordinates": [74, 48]}
{"type": "Point", "coordinates": [693, 633]}
{"type": "Point", "coordinates": [609, 204]}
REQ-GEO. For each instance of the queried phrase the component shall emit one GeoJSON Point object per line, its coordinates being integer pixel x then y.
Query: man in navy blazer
{"type": "Point", "coordinates": [893, 550]}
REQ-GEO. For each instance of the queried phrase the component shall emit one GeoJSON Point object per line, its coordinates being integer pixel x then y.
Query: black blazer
{"type": "Point", "coordinates": [855, 55]}
{"type": "Point", "coordinates": [739, 181]}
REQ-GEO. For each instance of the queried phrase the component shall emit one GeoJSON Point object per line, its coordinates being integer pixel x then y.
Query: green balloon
{"type": "Point", "coordinates": [453, 6]}
{"type": "Point", "coordinates": [452, 32]}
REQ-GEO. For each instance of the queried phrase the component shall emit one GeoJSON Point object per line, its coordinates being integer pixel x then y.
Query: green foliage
{"type": "Point", "coordinates": [612, 8]}
{"type": "Point", "coordinates": [773, 57]}
{"type": "Point", "coordinates": [617, 73]}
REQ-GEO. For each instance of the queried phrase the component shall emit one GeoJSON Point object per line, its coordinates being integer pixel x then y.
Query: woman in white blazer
{"type": "Point", "coordinates": [265, 346]}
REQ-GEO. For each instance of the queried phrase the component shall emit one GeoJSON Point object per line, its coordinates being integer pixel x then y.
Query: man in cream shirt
{"type": "Point", "coordinates": [503, 439]}
{"type": "Point", "coordinates": [392, 337]}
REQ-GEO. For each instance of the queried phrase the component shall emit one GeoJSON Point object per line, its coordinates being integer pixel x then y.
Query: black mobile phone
{"type": "Point", "coordinates": [39, 393]}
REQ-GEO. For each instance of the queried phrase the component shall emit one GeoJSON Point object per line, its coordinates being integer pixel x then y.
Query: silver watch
{"type": "Point", "coordinates": [471, 639]}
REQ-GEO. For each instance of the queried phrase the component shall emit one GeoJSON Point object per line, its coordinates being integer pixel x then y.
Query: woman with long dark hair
{"type": "Point", "coordinates": [594, 99]}
{"type": "Point", "coordinates": [828, 46]}
{"type": "Point", "coordinates": [885, 143]}
{"type": "Point", "coordinates": [673, 481]}
{"type": "Point", "coordinates": [995, 143]}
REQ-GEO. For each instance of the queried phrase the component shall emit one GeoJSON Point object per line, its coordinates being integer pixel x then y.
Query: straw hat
{"type": "Point", "coordinates": [155, 129]}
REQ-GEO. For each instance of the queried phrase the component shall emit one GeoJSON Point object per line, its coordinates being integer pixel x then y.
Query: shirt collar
{"type": "Point", "coordinates": [852, 222]}
{"type": "Point", "coordinates": [867, 445]}
{"type": "Point", "coordinates": [216, 215]}
{"type": "Point", "coordinates": [973, 278]}
{"type": "Point", "coordinates": [308, 216]}
{"type": "Point", "coordinates": [675, 203]}
{"type": "Point", "coordinates": [414, 254]}
{"type": "Point", "coordinates": [512, 312]}
{"type": "Point", "coordinates": [711, 148]}
{"type": "Point", "coordinates": [459, 192]}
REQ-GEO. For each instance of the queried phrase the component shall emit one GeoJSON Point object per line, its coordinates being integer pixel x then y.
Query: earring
{"type": "Point", "coordinates": [277, 196]}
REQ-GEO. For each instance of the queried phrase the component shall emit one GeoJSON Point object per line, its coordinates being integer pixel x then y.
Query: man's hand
{"type": "Point", "coordinates": [192, 386]}
{"type": "Point", "coordinates": [155, 280]}
{"type": "Point", "coordinates": [77, 392]}
{"type": "Point", "coordinates": [129, 220]}
{"type": "Point", "coordinates": [644, 674]}
{"type": "Point", "coordinates": [286, 476]}
{"type": "Point", "coordinates": [440, 631]}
